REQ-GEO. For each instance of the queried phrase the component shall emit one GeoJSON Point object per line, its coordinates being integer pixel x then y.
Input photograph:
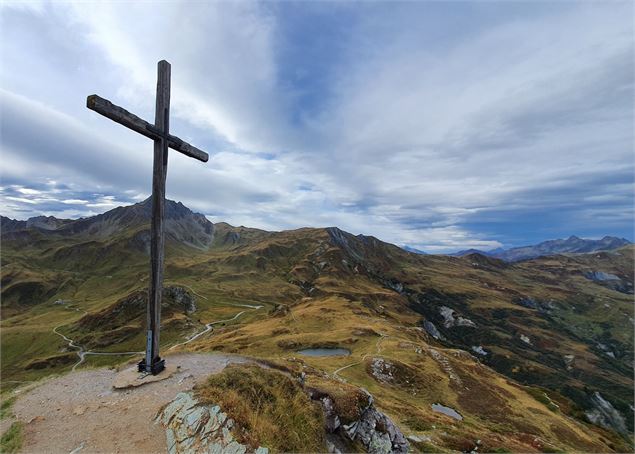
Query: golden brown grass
{"type": "Point", "coordinates": [268, 407]}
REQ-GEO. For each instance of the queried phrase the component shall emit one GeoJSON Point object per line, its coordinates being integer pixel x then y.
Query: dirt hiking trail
{"type": "Point", "coordinates": [82, 413]}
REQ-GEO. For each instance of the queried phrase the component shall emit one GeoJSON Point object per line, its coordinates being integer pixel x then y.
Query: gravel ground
{"type": "Point", "coordinates": [82, 413]}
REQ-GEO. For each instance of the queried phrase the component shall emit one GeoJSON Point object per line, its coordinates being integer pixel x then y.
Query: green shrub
{"type": "Point", "coordinates": [12, 439]}
{"type": "Point", "coordinates": [5, 406]}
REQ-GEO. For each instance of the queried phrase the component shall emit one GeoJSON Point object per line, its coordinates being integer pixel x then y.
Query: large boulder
{"type": "Point", "coordinates": [373, 429]}
{"type": "Point", "coordinates": [377, 432]}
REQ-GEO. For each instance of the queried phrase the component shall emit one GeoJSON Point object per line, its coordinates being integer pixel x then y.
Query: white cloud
{"type": "Point", "coordinates": [222, 54]}
{"type": "Point", "coordinates": [414, 141]}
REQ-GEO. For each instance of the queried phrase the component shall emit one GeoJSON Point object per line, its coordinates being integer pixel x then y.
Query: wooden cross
{"type": "Point", "coordinates": [159, 132]}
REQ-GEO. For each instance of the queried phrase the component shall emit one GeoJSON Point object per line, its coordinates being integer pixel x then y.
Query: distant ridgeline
{"type": "Point", "coordinates": [555, 331]}
{"type": "Point", "coordinates": [181, 223]}
{"type": "Point", "coordinates": [572, 245]}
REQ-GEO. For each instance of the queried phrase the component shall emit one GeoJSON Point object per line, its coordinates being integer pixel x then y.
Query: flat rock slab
{"type": "Point", "coordinates": [131, 377]}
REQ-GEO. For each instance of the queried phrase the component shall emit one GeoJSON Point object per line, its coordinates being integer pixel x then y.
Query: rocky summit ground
{"type": "Point", "coordinates": [81, 412]}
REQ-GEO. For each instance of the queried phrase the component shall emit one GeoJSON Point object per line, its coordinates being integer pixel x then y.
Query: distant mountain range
{"type": "Point", "coordinates": [181, 224]}
{"type": "Point", "coordinates": [540, 348]}
{"type": "Point", "coordinates": [193, 229]}
{"type": "Point", "coordinates": [572, 245]}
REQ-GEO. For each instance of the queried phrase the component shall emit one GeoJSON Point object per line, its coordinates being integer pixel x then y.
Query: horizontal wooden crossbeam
{"type": "Point", "coordinates": [130, 120]}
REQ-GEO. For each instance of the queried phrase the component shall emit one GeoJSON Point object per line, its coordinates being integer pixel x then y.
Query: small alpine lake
{"type": "Point", "coordinates": [451, 412]}
{"type": "Point", "coordinates": [325, 351]}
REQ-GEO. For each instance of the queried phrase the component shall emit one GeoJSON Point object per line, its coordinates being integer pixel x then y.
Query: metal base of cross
{"type": "Point", "coordinates": [157, 366]}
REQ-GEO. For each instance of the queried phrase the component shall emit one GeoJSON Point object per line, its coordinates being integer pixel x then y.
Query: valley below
{"type": "Point", "coordinates": [461, 354]}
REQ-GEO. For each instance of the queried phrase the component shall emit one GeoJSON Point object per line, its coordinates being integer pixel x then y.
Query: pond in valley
{"type": "Point", "coordinates": [451, 412]}
{"type": "Point", "coordinates": [325, 352]}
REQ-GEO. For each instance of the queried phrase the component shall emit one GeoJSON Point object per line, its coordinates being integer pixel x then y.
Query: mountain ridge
{"type": "Point", "coordinates": [571, 245]}
{"type": "Point", "coordinates": [177, 214]}
{"type": "Point", "coordinates": [556, 326]}
{"type": "Point", "coordinates": [181, 224]}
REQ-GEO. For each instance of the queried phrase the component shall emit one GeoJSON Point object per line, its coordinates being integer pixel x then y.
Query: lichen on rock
{"type": "Point", "coordinates": [193, 427]}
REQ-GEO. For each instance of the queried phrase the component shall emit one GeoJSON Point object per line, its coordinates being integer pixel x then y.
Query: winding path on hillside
{"type": "Point", "coordinates": [82, 353]}
{"type": "Point", "coordinates": [377, 347]}
{"type": "Point", "coordinates": [209, 326]}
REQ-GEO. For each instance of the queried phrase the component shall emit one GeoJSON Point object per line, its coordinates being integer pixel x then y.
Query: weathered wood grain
{"type": "Point", "coordinates": [159, 132]}
{"type": "Point", "coordinates": [159, 173]}
{"type": "Point", "coordinates": [129, 120]}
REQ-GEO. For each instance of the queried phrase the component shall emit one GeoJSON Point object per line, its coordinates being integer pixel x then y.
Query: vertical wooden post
{"type": "Point", "coordinates": [153, 362]}
{"type": "Point", "coordinates": [160, 133]}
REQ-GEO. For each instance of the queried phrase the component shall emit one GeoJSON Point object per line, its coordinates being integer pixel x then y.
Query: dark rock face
{"type": "Point", "coordinates": [331, 418]}
{"type": "Point", "coordinates": [394, 285]}
{"type": "Point", "coordinates": [11, 225]}
{"type": "Point", "coordinates": [45, 222]}
{"type": "Point", "coordinates": [601, 276]}
{"type": "Point", "coordinates": [37, 222]}
{"type": "Point", "coordinates": [133, 307]}
{"type": "Point", "coordinates": [610, 280]}
{"type": "Point", "coordinates": [605, 415]}
{"type": "Point", "coordinates": [181, 298]}
{"type": "Point", "coordinates": [431, 329]}
{"type": "Point", "coordinates": [532, 303]}
{"type": "Point", "coordinates": [527, 302]}
{"type": "Point", "coordinates": [451, 318]}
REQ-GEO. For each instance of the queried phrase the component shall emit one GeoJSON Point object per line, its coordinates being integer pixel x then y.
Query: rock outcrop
{"type": "Point", "coordinates": [133, 307]}
{"type": "Point", "coordinates": [373, 429]}
{"type": "Point", "coordinates": [605, 415]}
{"type": "Point", "coordinates": [601, 276]}
{"type": "Point", "coordinates": [531, 303]}
{"type": "Point", "coordinates": [181, 298]}
{"type": "Point", "coordinates": [610, 280]}
{"type": "Point", "coordinates": [431, 329]}
{"type": "Point", "coordinates": [451, 318]}
{"type": "Point", "coordinates": [192, 427]}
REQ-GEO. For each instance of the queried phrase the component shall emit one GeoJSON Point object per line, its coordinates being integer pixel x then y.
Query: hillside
{"type": "Point", "coordinates": [539, 350]}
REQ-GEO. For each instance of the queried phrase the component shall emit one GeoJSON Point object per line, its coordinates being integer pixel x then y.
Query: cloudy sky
{"type": "Point", "coordinates": [435, 125]}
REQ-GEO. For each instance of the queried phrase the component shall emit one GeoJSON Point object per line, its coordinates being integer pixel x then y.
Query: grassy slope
{"type": "Point", "coordinates": [269, 409]}
{"type": "Point", "coordinates": [334, 291]}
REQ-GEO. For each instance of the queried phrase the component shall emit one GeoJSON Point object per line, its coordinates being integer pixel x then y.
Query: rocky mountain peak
{"type": "Point", "coordinates": [181, 224]}
{"type": "Point", "coordinates": [45, 222]}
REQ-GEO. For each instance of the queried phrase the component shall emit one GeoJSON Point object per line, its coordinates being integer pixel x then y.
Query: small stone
{"type": "Point", "coordinates": [36, 419]}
